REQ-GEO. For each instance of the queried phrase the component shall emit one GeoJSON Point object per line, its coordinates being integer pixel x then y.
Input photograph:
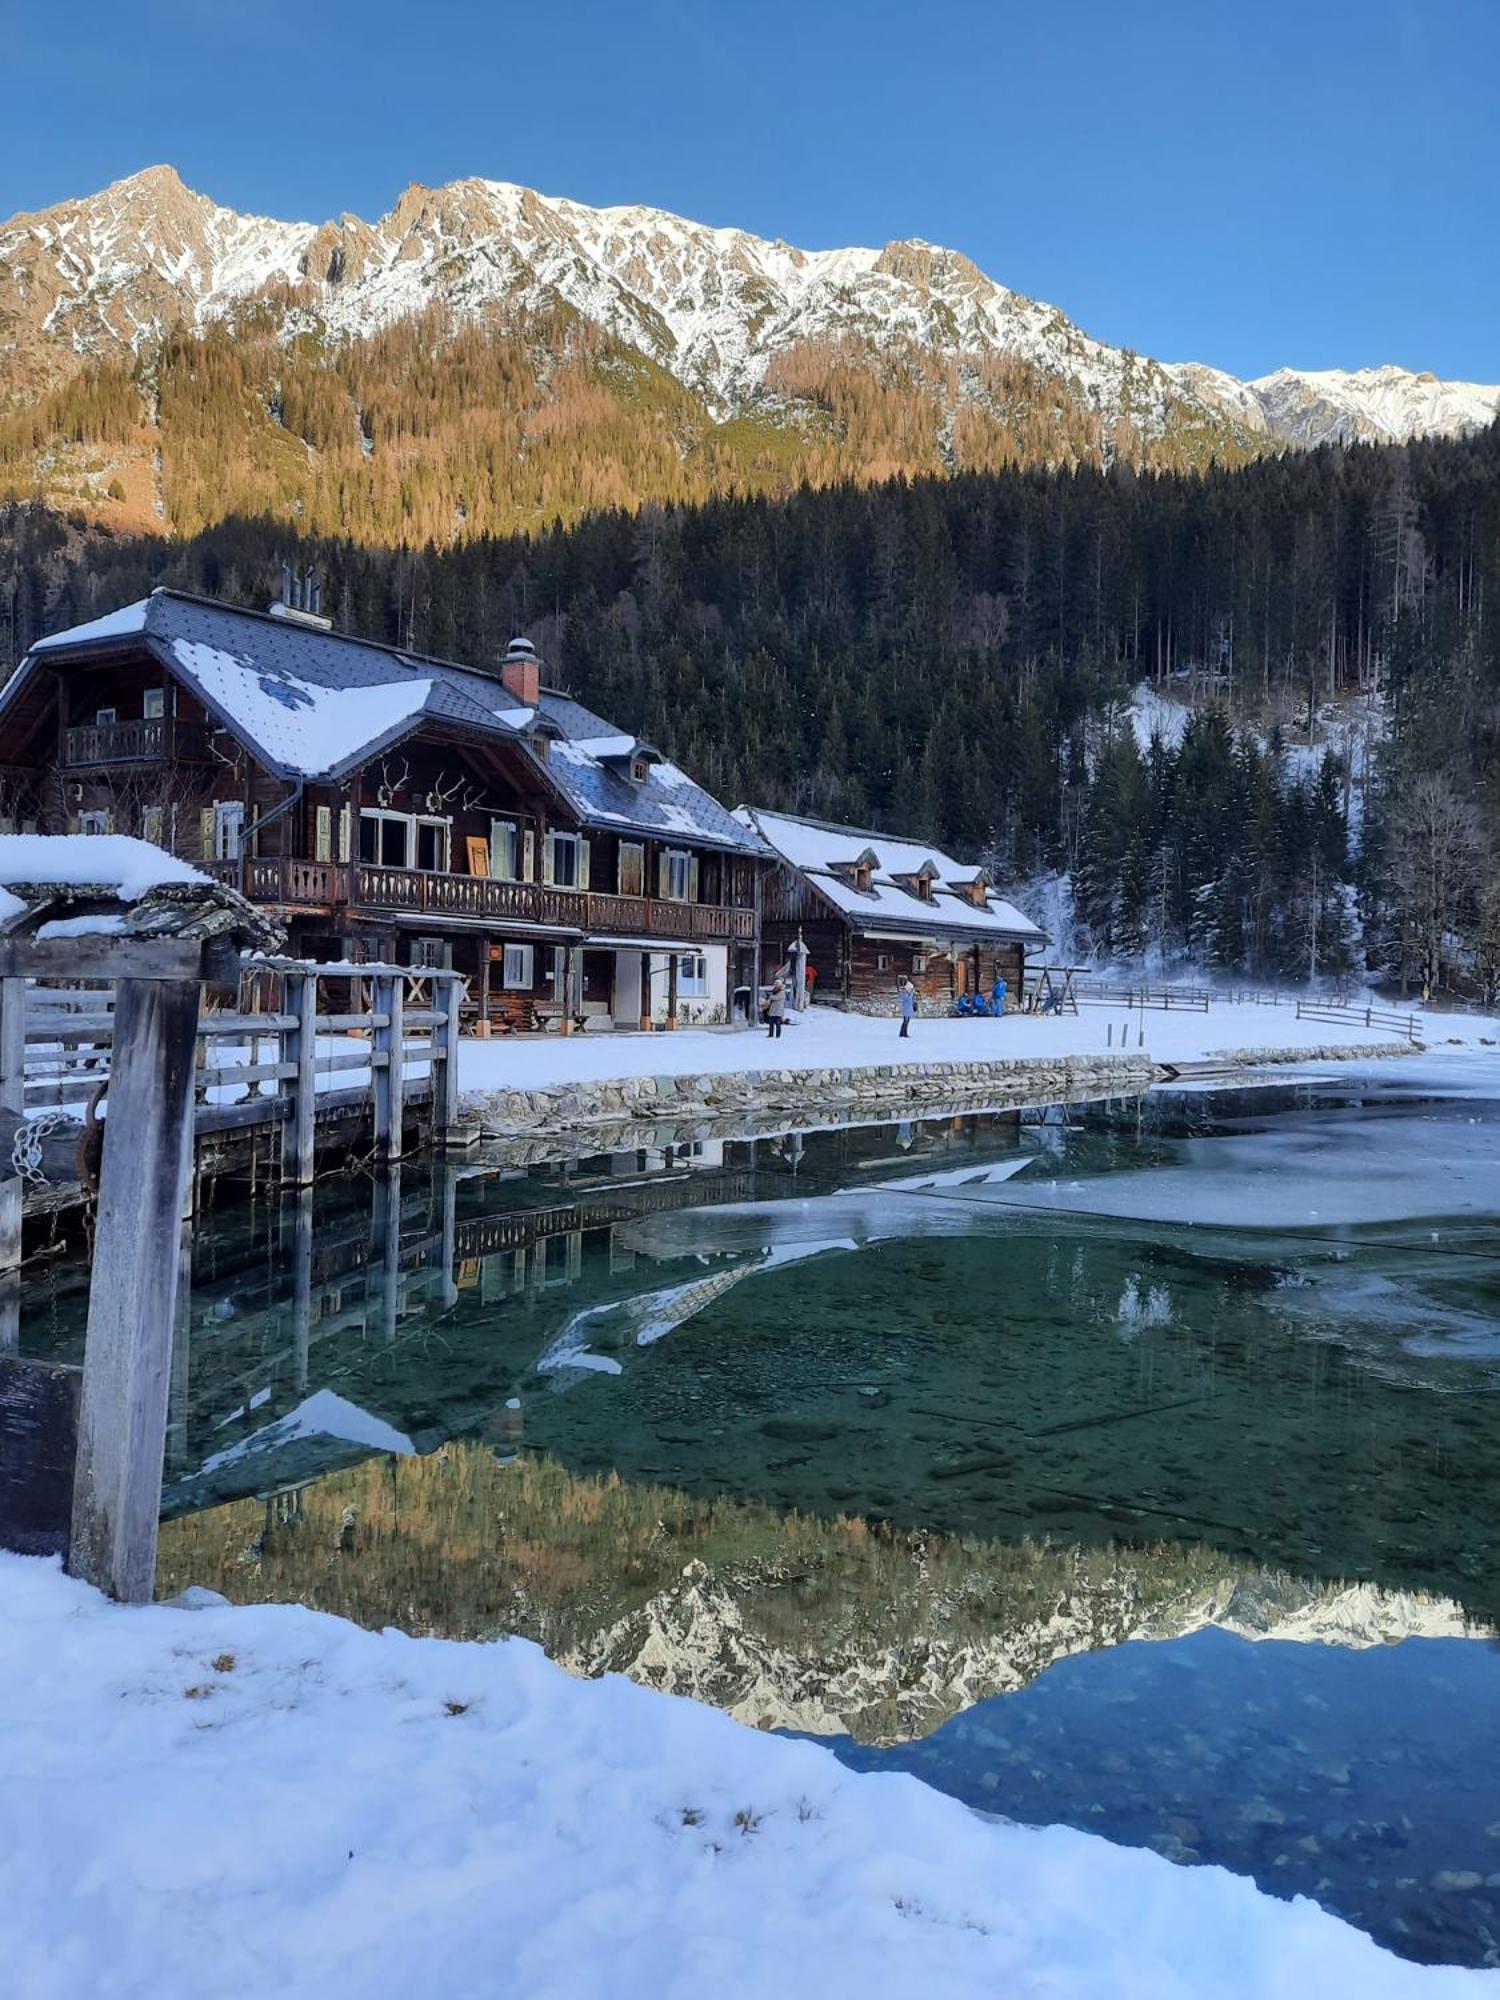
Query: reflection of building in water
{"type": "Point", "coordinates": [332, 1285]}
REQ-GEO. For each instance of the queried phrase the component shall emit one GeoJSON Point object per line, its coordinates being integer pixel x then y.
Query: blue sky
{"type": "Point", "coordinates": [1246, 185]}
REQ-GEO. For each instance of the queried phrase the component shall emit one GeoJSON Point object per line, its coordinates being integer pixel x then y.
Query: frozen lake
{"type": "Point", "coordinates": [1133, 1465]}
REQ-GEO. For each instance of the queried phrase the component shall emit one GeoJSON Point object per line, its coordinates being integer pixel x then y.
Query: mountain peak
{"type": "Point", "coordinates": [741, 320]}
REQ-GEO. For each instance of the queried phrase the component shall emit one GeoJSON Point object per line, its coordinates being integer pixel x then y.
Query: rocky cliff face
{"type": "Point", "coordinates": [747, 327]}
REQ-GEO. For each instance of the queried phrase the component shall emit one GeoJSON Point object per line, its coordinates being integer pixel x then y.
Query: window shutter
{"type": "Point", "coordinates": [528, 856]}
{"type": "Point", "coordinates": [693, 879]}
{"type": "Point", "coordinates": [502, 859]}
{"type": "Point", "coordinates": [583, 862]}
{"type": "Point", "coordinates": [547, 858]}
{"type": "Point", "coordinates": [323, 834]}
{"type": "Point", "coordinates": [346, 832]}
{"type": "Point", "coordinates": [206, 832]}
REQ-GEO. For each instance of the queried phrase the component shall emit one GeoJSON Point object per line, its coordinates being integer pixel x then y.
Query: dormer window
{"type": "Point", "coordinates": [640, 769]}
{"type": "Point", "coordinates": [920, 882]}
{"type": "Point", "coordinates": [860, 872]}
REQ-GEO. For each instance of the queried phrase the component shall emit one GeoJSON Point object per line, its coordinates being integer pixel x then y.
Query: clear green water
{"type": "Point", "coordinates": [1134, 1465]}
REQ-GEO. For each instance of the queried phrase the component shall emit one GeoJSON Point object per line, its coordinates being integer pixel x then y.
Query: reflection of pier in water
{"type": "Point", "coordinates": [267, 1335]}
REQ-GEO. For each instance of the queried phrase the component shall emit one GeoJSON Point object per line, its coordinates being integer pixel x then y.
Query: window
{"type": "Point", "coordinates": [882, 961]}
{"type": "Point", "coordinates": [436, 952]}
{"type": "Point", "coordinates": [632, 868]}
{"type": "Point", "coordinates": [105, 715]}
{"type": "Point", "coordinates": [640, 770]}
{"type": "Point", "coordinates": [679, 875]}
{"type": "Point", "coordinates": [692, 977]}
{"type": "Point", "coordinates": [504, 855]}
{"type": "Point", "coordinates": [93, 822]}
{"type": "Point", "coordinates": [229, 824]}
{"type": "Point", "coordinates": [432, 845]}
{"type": "Point", "coordinates": [384, 838]}
{"type": "Point", "coordinates": [517, 971]}
{"type": "Point", "coordinates": [566, 859]}
{"type": "Point", "coordinates": [154, 704]}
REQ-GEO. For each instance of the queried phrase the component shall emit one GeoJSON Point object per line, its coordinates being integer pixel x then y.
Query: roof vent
{"type": "Point", "coordinates": [301, 599]}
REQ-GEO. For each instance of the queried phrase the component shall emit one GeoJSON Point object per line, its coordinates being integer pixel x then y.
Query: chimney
{"type": "Point", "coordinates": [301, 599]}
{"type": "Point", "coordinates": [521, 673]}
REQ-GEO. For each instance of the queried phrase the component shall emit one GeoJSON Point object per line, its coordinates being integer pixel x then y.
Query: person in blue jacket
{"type": "Point", "coordinates": [908, 995]}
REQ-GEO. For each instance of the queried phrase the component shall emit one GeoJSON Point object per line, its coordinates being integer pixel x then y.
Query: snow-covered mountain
{"type": "Point", "coordinates": [485, 359]}
{"type": "Point", "coordinates": [117, 270]}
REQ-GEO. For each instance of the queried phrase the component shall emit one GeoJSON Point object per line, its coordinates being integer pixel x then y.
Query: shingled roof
{"type": "Point", "coordinates": [827, 855]}
{"type": "Point", "coordinates": [311, 703]}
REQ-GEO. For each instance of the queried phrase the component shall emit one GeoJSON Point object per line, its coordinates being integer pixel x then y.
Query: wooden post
{"type": "Point", "coordinates": [12, 1098]}
{"type": "Point", "coordinates": [671, 989]}
{"type": "Point", "coordinates": [646, 1015]}
{"type": "Point", "coordinates": [449, 1250]}
{"type": "Point", "coordinates": [182, 1355]}
{"type": "Point", "coordinates": [388, 1046]}
{"type": "Point", "coordinates": [302, 1258]}
{"type": "Point", "coordinates": [389, 1217]}
{"type": "Point", "coordinates": [133, 1296]}
{"type": "Point", "coordinates": [300, 1045]}
{"type": "Point", "coordinates": [448, 998]}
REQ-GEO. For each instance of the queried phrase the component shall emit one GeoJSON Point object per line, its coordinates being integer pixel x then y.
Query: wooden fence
{"type": "Point", "coordinates": [1388, 1018]}
{"type": "Point", "coordinates": [300, 1042]}
{"type": "Point", "coordinates": [1171, 999]}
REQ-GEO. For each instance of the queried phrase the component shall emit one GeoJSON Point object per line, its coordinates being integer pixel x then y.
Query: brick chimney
{"type": "Point", "coordinates": [521, 672]}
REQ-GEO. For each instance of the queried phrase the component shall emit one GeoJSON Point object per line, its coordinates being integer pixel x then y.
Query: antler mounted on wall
{"type": "Point", "coordinates": [442, 793]}
{"type": "Point", "coordinates": [388, 787]}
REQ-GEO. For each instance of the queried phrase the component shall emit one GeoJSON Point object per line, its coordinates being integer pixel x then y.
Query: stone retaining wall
{"type": "Point", "coordinates": [895, 1087]}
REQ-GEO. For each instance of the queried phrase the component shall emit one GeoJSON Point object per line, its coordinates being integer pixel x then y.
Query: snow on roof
{"type": "Point", "coordinates": [665, 801]}
{"type": "Point", "coordinates": [112, 861]}
{"type": "Point", "coordinates": [820, 849]}
{"type": "Point", "coordinates": [121, 624]}
{"type": "Point", "coordinates": [313, 703]}
{"type": "Point", "coordinates": [306, 728]}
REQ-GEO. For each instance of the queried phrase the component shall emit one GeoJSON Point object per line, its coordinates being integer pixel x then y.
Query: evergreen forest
{"type": "Point", "coordinates": [960, 657]}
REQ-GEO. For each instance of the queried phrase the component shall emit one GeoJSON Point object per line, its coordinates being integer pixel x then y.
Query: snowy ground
{"type": "Point", "coordinates": [267, 1801]}
{"type": "Point", "coordinates": [825, 1038]}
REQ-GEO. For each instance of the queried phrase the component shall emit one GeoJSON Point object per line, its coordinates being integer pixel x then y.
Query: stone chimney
{"type": "Point", "coordinates": [521, 672]}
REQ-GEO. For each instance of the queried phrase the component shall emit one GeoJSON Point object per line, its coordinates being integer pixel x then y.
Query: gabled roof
{"type": "Point", "coordinates": [312, 703]}
{"type": "Point", "coordinates": [586, 763]}
{"type": "Point", "coordinates": [825, 853]}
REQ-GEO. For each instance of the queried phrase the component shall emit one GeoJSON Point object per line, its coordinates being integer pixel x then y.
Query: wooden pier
{"type": "Point", "coordinates": [299, 1060]}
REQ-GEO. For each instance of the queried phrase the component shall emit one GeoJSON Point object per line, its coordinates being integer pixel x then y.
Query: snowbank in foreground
{"type": "Point", "coordinates": [824, 1038]}
{"type": "Point", "coordinates": [269, 1801]}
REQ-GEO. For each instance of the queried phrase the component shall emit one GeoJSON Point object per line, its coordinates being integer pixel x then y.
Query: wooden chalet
{"type": "Point", "coordinates": [873, 910]}
{"type": "Point", "coordinates": [389, 806]}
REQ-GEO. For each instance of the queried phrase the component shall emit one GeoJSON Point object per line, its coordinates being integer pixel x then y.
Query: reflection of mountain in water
{"type": "Point", "coordinates": [826, 1626]}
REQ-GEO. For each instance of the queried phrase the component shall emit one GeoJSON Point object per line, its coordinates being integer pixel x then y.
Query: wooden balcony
{"type": "Point", "coordinates": [161, 739]}
{"type": "Point", "coordinates": [364, 887]}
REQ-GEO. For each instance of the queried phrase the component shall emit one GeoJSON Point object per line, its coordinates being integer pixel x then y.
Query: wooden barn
{"type": "Point", "coordinates": [390, 806]}
{"type": "Point", "coordinates": [873, 910]}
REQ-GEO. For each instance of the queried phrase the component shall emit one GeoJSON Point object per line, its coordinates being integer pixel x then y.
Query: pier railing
{"type": "Point", "coordinates": [300, 1042]}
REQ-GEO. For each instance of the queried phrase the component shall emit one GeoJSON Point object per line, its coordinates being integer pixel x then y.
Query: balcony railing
{"type": "Point", "coordinates": [364, 886]}
{"type": "Point", "coordinates": [160, 737]}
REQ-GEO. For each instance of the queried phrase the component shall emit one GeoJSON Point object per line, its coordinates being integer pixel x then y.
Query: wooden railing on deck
{"type": "Point", "coordinates": [363, 885]}
{"type": "Point", "coordinates": [162, 736]}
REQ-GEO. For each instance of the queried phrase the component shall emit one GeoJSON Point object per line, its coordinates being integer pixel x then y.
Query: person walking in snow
{"type": "Point", "coordinates": [908, 997]}
{"type": "Point", "coordinates": [776, 1010]}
